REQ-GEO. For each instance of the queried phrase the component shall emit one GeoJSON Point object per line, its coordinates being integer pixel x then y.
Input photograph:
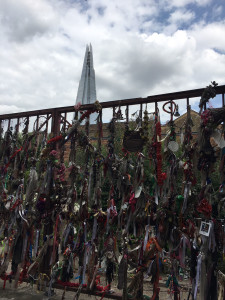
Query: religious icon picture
{"type": "Point", "coordinates": [205, 228]}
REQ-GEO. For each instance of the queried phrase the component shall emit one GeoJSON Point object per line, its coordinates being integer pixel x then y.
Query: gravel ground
{"type": "Point", "coordinates": [26, 292]}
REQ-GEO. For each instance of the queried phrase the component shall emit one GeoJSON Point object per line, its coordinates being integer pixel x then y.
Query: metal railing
{"type": "Point", "coordinates": [56, 118]}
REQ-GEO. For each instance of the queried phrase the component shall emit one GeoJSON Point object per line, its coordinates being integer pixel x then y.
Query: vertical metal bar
{"type": "Point", "coordinates": [114, 111]}
{"type": "Point", "coordinates": [64, 125]}
{"type": "Point", "coordinates": [17, 125]}
{"type": "Point", "coordinates": [156, 108]}
{"type": "Point", "coordinates": [55, 122]}
{"type": "Point", "coordinates": [9, 124]}
{"type": "Point", "coordinates": [223, 101]}
{"type": "Point", "coordinates": [127, 114]}
{"type": "Point", "coordinates": [188, 102]}
{"type": "Point", "coordinates": [171, 111]}
{"type": "Point", "coordinates": [1, 131]}
{"type": "Point", "coordinates": [47, 125]}
{"type": "Point", "coordinates": [27, 128]}
{"type": "Point", "coordinates": [37, 123]}
{"type": "Point", "coordinates": [141, 111]}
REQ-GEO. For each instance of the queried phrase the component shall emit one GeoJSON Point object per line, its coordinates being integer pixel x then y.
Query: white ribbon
{"type": "Point", "coordinates": [146, 237]}
{"type": "Point", "coordinates": [212, 240]}
{"type": "Point", "coordinates": [186, 194]}
{"type": "Point", "coordinates": [197, 275]}
{"type": "Point", "coordinates": [156, 195]}
{"type": "Point", "coordinates": [36, 243]}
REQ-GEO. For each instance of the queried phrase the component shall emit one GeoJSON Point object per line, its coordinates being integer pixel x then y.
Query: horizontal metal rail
{"type": "Point", "coordinates": [110, 104]}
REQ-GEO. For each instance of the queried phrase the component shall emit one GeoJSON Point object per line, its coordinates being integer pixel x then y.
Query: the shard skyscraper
{"type": "Point", "coordinates": [86, 93]}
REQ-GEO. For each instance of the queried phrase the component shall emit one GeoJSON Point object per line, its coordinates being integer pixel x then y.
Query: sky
{"type": "Point", "coordinates": [140, 48]}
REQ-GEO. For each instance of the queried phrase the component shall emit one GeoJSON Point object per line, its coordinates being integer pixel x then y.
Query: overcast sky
{"type": "Point", "coordinates": [140, 48]}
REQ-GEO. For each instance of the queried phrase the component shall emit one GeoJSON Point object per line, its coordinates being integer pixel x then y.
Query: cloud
{"type": "Point", "coordinates": [26, 18]}
{"type": "Point", "coordinates": [183, 3]}
{"type": "Point", "coordinates": [137, 52]}
{"type": "Point", "coordinates": [181, 16]}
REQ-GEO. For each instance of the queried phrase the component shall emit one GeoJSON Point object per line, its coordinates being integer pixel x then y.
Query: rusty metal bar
{"type": "Point", "coordinates": [55, 122]}
{"type": "Point", "coordinates": [188, 102]}
{"type": "Point", "coordinates": [9, 124]}
{"type": "Point", "coordinates": [48, 117]}
{"type": "Point", "coordinates": [37, 122]}
{"type": "Point", "coordinates": [125, 102]}
{"type": "Point", "coordinates": [156, 109]}
{"type": "Point", "coordinates": [45, 122]}
{"type": "Point", "coordinates": [17, 125]}
{"type": "Point", "coordinates": [141, 110]}
{"type": "Point", "coordinates": [127, 115]}
{"type": "Point", "coordinates": [65, 120]}
{"type": "Point", "coordinates": [114, 111]}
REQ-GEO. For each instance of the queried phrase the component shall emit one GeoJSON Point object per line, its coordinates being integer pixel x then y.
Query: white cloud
{"type": "Point", "coordinates": [209, 35]}
{"type": "Point", "coordinates": [182, 3]}
{"type": "Point", "coordinates": [181, 16]}
{"type": "Point", "coordinates": [26, 18]}
{"type": "Point", "coordinates": [42, 46]}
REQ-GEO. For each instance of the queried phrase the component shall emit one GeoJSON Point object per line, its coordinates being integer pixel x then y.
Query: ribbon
{"type": "Point", "coordinates": [54, 139]}
{"type": "Point", "coordinates": [185, 242]}
{"type": "Point", "coordinates": [132, 202]}
{"type": "Point", "coordinates": [94, 230]}
{"type": "Point", "coordinates": [70, 284]}
{"type": "Point", "coordinates": [36, 243]}
{"type": "Point", "coordinates": [197, 275]}
{"type": "Point", "coordinates": [134, 229]}
{"type": "Point", "coordinates": [14, 154]}
{"type": "Point", "coordinates": [54, 242]}
{"type": "Point", "coordinates": [156, 195]}
{"type": "Point", "coordinates": [85, 253]}
{"type": "Point", "coordinates": [205, 208]}
{"type": "Point", "coordinates": [84, 264]}
{"type": "Point", "coordinates": [212, 240]}
{"type": "Point", "coordinates": [149, 269]}
{"type": "Point", "coordinates": [186, 193]}
{"type": "Point", "coordinates": [146, 237]}
{"type": "Point", "coordinates": [66, 234]}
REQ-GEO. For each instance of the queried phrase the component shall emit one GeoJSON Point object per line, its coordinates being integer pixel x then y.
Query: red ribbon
{"type": "Point", "coordinates": [205, 208]}
{"type": "Point", "coordinates": [71, 284]}
{"type": "Point", "coordinates": [132, 202]}
{"type": "Point", "coordinates": [17, 203]}
{"type": "Point", "coordinates": [14, 154]}
{"type": "Point", "coordinates": [86, 114]}
{"type": "Point", "coordinates": [125, 152]}
{"type": "Point", "coordinates": [205, 116]}
{"type": "Point", "coordinates": [55, 139]}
